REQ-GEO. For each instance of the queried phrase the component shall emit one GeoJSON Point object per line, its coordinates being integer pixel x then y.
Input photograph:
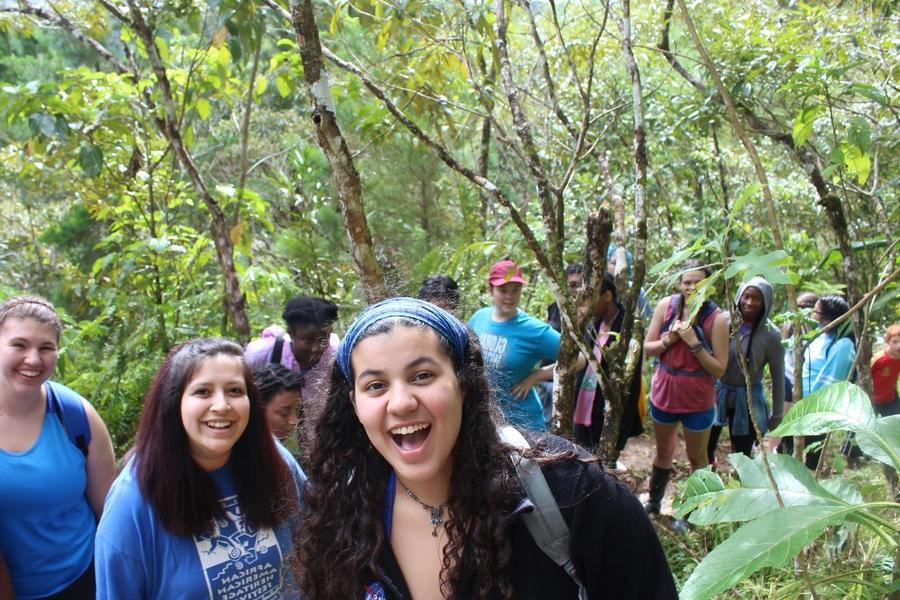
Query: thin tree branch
{"type": "Point", "coordinates": [61, 20]}
{"type": "Point", "coordinates": [234, 297]}
{"type": "Point", "coordinates": [671, 58]}
{"type": "Point", "coordinates": [523, 130]}
{"type": "Point", "coordinates": [245, 127]}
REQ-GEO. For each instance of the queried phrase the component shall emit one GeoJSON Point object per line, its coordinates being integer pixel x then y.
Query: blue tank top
{"type": "Point", "coordinates": [46, 524]}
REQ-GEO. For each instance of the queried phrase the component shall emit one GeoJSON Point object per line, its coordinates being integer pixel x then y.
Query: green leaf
{"type": "Point", "coordinates": [843, 489]}
{"type": "Point", "coordinates": [162, 48]}
{"type": "Point", "coordinates": [883, 442]}
{"type": "Point", "coordinates": [857, 162]}
{"type": "Point", "coordinates": [870, 92]}
{"type": "Point", "coordinates": [90, 159]}
{"type": "Point", "coordinates": [768, 266]}
{"type": "Point", "coordinates": [746, 194]}
{"type": "Point", "coordinates": [700, 484]}
{"type": "Point", "coordinates": [103, 262]}
{"type": "Point", "coordinates": [42, 123]}
{"type": "Point", "coordinates": [188, 137]}
{"type": "Point", "coordinates": [701, 294]}
{"type": "Point", "coordinates": [839, 406]}
{"type": "Point", "coordinates": [770, 541]}
{"type": "Point", "coordinates": [796, 485]}
{"type": "Point", "coordinates": [860, 134]}
{"type": "Point", "coordinates": [803, 124]}
{"type": "Point", "coordinates": [284, 88]}
{"type": "Point", "coordinates": [677, 258]}
{"type": "Point", "coordinates": [203, 108]}
{"type": "Point", "coordinates": [259, 85]}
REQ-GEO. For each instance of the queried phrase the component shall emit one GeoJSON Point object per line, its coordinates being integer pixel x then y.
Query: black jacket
{"type": "Point", "coordinates": [631, 424]}
{"type": "Point", "coordinates": [613, 545]}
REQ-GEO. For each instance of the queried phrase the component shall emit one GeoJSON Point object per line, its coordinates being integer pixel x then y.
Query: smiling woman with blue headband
{"type": "Point", "coordinates": [415, 495]}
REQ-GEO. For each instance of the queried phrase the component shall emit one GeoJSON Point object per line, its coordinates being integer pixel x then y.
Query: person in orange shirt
{"type": "Point", "coordinates": [885, 369]}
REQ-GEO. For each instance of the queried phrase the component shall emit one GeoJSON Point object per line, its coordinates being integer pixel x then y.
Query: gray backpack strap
{"type": "Point", "coordinates": [545, 524]}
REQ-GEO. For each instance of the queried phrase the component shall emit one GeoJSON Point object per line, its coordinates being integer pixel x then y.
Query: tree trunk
{"type": "Point", "coordinates": [333, 144]}
{"type": "Point", "coordinates": [597, 231]}
{"type": "Point", "coordinates": [622, 355]}
{"type": "Point", "coordinates": [234, 299]}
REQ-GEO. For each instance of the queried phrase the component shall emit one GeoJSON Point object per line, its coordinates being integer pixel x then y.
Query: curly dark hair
{"type": "Point", "coordinates": [308, 310]}
{"type": "Point", "coordinates": [273, 378]}
{"type": "Point", "coordinates": [184, 496]}
{"type": "Point", "coordinates": [340, 535]}
{"type": "Point", "coordinates": [833, 307]}
{"type": "Point", "coordinates": [441, 290]}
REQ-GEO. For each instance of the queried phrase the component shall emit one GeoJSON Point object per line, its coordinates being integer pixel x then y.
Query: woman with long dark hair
{"type": "Point", "coordinates": [204, 507]}
{"type": "Point", "coordinates": [828, 359]}
{"type": "Point", "coordinates": [415, 496]}
{"type": "Point", "coordinates": [693, 352]}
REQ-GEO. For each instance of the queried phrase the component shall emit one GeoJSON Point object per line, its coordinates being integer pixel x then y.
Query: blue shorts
{"type": "Point", "coordinates": [691, 421]}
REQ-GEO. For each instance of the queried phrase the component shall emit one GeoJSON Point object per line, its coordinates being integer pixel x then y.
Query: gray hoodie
{"type": "Point", "coordinates": [765, 348]}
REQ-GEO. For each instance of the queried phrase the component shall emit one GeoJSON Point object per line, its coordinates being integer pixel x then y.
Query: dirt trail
{"type": "Point", "coordinates": [637, 457]}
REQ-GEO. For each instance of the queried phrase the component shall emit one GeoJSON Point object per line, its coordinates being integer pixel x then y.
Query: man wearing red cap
{"type": "Point", "coordinates": [513, 342]}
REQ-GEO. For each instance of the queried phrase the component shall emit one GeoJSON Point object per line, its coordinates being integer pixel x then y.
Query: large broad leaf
{"type": "Point", "coordinates": [701, 487]}
{"type": "Point", "coordinates": [803, 123]}
{"type": "Point", "coordinates": [843, 489]}
{"type": "Point", "coordinates": [883, 441]}
{"type": "Point", "coordinates": [90, 158]}
{"type": "Point", "coordinates": [796, 485]}
{"type": "Point", "coordinates": [769, 541]}
{"type": "Point", "coordinates": [678, 257]}
{"type": "Point", "coordinates": [835, 407]}
{"type": "Point", "coordinates": [767, 265]}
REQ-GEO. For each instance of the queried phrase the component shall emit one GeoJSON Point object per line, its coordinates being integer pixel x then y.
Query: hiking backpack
{"type": "Point", "coordinates": [69, 409]}
{"type": "Point", "coordinates": [277, 350]}
{"type": "Point", "coordinates": [545, 523]}
{"type": "Point", "coordinates": [706, 309]}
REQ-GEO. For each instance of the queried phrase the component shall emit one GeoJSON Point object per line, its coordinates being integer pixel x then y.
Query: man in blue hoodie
{"type": "Point", "coordinates": [759, 344]}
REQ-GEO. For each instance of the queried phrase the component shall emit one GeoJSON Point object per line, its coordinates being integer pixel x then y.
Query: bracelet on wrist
{"type": "Point", "coordinates": [696, 348]}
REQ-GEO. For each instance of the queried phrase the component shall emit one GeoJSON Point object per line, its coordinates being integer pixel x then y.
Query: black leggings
{"type": "Point", "coordinates": [739, 443]}
{"type": "Point", "coordinates": [83, 588]}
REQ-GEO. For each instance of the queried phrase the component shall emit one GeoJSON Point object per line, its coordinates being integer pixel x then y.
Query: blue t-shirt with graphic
{"type": "Point", "coordinates": [511, 350]}
{"type": "Point", "coordinates": [136, 557]}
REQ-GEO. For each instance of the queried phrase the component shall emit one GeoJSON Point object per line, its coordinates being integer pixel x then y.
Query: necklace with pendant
{"type": "Point", "coordinates": [436, 512]}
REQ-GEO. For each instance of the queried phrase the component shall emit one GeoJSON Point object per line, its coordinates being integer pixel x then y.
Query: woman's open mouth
{"type": "Point", "coordinates": [411, 437]}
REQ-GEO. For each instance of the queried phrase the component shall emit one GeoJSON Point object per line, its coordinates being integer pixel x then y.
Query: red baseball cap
{"type": "Point", "coordinates": [505, 271]}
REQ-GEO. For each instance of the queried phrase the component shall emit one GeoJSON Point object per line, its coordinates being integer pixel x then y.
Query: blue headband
{"type": "Point", "coordinates": [437, 318]}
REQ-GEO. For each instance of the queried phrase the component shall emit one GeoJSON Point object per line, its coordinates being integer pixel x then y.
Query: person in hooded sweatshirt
{"type": "Point", "coordinates": [759, 343]}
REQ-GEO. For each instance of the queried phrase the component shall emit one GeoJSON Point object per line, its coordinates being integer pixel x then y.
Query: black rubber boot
{"type": "Point", "coordinates": [659, 479]}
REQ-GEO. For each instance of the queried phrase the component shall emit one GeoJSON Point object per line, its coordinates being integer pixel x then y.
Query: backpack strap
{"type": "Point", "coordinates": [674, 309]}
{"type": "Point", "coordinates": [545, 523]}
{"type": "Point", "coordinates": [277, 350]}
{"type": "Point", "coordinates": [69, 409]}
{"type": "Point", "coordinates": [709, 307]}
